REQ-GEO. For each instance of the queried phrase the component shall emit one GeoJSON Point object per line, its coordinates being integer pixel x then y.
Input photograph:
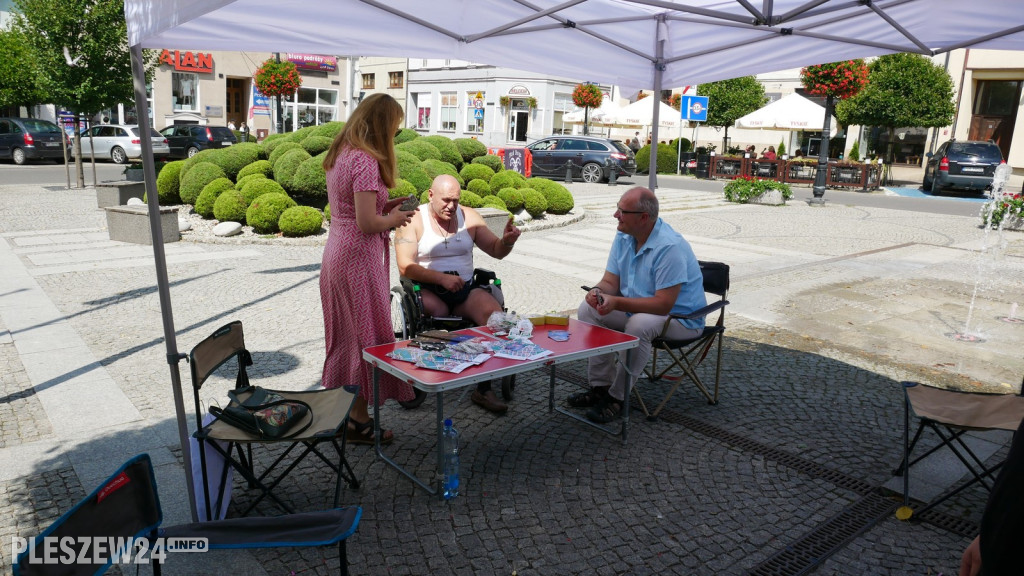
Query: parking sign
{"type": "Point", "coordinates": [695, 108]}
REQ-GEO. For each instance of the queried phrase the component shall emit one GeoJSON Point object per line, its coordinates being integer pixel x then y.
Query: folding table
{"type": "Point", "coordinates": [585, 340]}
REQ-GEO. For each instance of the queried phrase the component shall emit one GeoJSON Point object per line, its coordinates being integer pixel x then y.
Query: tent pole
{"type": "Point", "coordinates": [659, 69]}
{"type": "Point", "coordinates": [163, 285]}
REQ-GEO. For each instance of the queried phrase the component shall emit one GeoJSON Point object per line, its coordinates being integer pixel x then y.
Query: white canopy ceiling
{"type": "Point", "coordinates": [611, 41]}
{"type": "Point", "coordinates": [792, 112]}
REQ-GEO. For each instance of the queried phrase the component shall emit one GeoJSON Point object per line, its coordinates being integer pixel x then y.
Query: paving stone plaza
{"type": "Point", "coordinates": [831, 308]}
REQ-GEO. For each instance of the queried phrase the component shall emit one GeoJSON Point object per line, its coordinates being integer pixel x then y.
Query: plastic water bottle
{"type": "Point", "coordinates": [450, 440]}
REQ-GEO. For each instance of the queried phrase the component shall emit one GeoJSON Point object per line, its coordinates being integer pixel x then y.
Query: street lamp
{"type": "Point", "coordinates": [819, 177]}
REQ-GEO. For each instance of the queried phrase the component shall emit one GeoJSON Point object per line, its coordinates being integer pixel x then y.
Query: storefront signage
{"type": "Point", "coordinates": [519, 90]}
{"type": "Point", "coordinates": [188, 61]}
{"type": "Point", "coordinates": [313, 62]}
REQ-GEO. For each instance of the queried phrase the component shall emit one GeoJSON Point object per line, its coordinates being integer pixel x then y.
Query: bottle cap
{"type": "Point", "coordinates": [415, 287]}
{"type": "Point", "coordinates": [448, 422]}
{"type": "Point", "coordinates": [497, 281]}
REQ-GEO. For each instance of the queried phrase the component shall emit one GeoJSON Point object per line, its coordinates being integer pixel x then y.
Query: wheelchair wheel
{"type": "Point", "coordinates": [416, 401]}
{"type": "Point", "coordinates": [398, 320]}
{"type": "Point", "coordinates": [508, 385]}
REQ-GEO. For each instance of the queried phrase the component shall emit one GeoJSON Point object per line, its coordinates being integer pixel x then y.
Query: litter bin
{"type": "Point", "coordinates": [516, 159]}
{"type": "Point", "coordinates": [687, 162]}
{"type": "Point", "coordinates": [704, 166]}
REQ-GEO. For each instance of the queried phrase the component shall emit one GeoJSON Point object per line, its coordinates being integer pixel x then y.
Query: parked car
{"type": "Point", "coordinates": [187, 139]}
{"type": "Point", "coordinates": [589, 156]}
{"type": "Point", "coordinates": [119, 142]}
{"type": "Point", "coordinates": [23, 139]}
{"type": "Point", "coordinates": [968, 164]}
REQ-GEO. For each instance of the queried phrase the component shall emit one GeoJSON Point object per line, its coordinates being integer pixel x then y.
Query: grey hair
{"type": "Point", "coordinates": [648, 203]}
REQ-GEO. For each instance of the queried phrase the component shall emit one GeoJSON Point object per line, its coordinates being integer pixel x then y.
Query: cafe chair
{"type": "Point", "coordinates": [949, 415]}
{"type": "Point", "coordinates": [127, 506]}
{"type": "Point", "coordinates": [326, 428]}
{"type": "Point", "coordinates": [685, 356]}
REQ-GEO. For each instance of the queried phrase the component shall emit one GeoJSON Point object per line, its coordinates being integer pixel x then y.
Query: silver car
{"type": "Point", "coordinates": [119, 142]}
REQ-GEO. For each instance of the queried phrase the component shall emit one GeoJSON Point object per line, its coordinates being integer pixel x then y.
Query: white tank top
{"type": "Point", "coordinates": [436, 254]}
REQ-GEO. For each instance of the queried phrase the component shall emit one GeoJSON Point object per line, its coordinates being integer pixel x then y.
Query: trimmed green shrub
{"type": "Point", "coordinates": [281, 150]}
{"type": "Point", "coordinates": [327, 212]}
{"type": "Point", "coordinates": [230, 206]}
{"type": "Point", "coordinates": [666, 159]}
{"type": "Point", "coordinates": [491, 161]}
{"type": "Point", "coordinates": [329, 130]}
{"type": "Point", "coordinates": [168, 182]}
{"type": "Point", "coordinates": [246, 179]}
{"type": "Point", "coordinates": [476, 171]}
{"type": "Point", "coordinates": [512, 198]}
{"type": "Point", "coordinates": [301, 221]}
{"type": "Point", "coordinates": [288, 165]}
{"type": "Point", "coordinates": [425, 197]}
{"type": "Point", "coordinates": [310, 180]}
{"type": "Point", "coordinates": [266, 210]}
{"type": "Point", "coordinates": [406, 135]}
{"type": "Point", "coordinates": [534, 202]}
{"type": "Point", "coordinates": [494, 202]}
{"type": "Point", "coordinates": [402, 188]}
{"type": "Point", "coordinates": [421, 149]}
{"type": "Point", "coordinates": [470, 148]}
{"type": "Point", "coordinates": [201, 156]}
{"type": "Point", "coordinates": [480, 187]}
{"type": "Point", "coordinates": [198, 177]}
{"type": "Point", "coordinates": [302, 133]}
{"type": "Point", "coordinates": [435, 168]}
{"type": "Point", "coordinates": [507, 179]}
{"type": "Point", "coordinates": [687, 145]}
{"type": "Point", "coordinates": [781, 149]}
{"type": "Point", "coordinates": [410, 168]}
{"type": "Point", "coordinates": [270, 143]}
{"type": "Point", "coordinates": [449, 151]}
{"type": "Point", "coordinates": [258, 167]}
{"type": "Point", "coordinates": [471, 199]}
{"type": "Point", "coordinates": [257, 188]}
{"type": "Point", "coordinates": [316, 144]}
{"type": "Point", "coordinates": [854, 157]}
{"type": "Point", "coordinates": [560, 200]}
{"type": "Point", "coordinates": [232, 160]}
{"type": "Point", "coordinates": [209, 195]}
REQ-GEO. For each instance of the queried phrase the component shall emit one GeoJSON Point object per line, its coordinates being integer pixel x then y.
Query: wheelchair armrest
{"type": "Point", "coordinates": [483, 276]}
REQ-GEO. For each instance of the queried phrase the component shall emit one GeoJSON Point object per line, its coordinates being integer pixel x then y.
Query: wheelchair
{"type": "Point", "coordinates": [409, 319]}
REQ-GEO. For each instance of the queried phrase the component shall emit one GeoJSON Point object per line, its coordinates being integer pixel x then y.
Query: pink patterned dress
{"type": "Point", "coordinates": [354, 280]}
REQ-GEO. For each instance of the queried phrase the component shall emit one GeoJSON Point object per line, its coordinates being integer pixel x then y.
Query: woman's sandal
{"type": "Point", "coordinates": [362, 433]}
{"type": "Point", "coordinates": [607, 411]}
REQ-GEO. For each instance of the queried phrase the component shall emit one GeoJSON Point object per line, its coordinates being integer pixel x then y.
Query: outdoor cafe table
{"type": "Point", "coordinates": [585, 340]}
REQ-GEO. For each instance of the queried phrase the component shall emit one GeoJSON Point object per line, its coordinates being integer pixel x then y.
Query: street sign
{"type": "Point", "coordinates": [695, 108]}
{"type": "Point", "coordinates": [478, 103]}
{"type": "Point", "coordinates": [478, 114]}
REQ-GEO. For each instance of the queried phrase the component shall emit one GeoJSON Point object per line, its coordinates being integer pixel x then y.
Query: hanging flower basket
{"type": "Point", "coordinates": [587, 96]}
{"type": "Point", "coordinates": [275, 78]}
{"type": "Point", "coordinates": [839, 79]}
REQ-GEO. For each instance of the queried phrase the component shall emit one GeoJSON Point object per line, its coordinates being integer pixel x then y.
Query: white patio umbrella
{"type": "Point", "coordinates": [641, 113]}
{"type": "Point", "coordinates": [792, 112]}
{"type": "Point", "coordinates": [632, 43]}
{"type": "Point", "coordinates": [596, 116]}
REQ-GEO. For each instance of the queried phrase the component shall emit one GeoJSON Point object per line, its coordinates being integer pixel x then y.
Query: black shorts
{"type": "Point", "coordinates": [451, 299]}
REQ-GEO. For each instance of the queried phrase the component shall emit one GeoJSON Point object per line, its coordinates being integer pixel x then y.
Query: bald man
{"type": "Point", "coordinates": [651, 273]}
{"type": "Point", "coordinates": [436, 249]}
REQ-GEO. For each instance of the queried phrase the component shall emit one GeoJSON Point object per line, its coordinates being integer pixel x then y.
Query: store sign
{"type": "Point", "coordinates": [519, 90]}
{"type": "Point", "coordinates": [313, 62]}
{"type": "Point", "coordinates": [188, 61]}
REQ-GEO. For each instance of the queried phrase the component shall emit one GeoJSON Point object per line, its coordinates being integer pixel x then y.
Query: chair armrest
{"type": "Point", "coordinates": [705, 311]}
{"type": "Point", "coordinates": [483, 276]}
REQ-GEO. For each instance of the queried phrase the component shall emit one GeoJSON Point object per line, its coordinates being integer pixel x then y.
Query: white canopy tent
{"type": "Point", "coordinates": [631, 43]}
{"type": "Point", "coordinates": [642, 113]}
{"type": "Point", "coordinates": [792, 112]}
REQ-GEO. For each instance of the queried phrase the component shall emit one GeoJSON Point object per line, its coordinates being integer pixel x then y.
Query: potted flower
{"type": "Point", "coordinates": [133, 172]}
{"type": "Point", "coordinates": [531, 102]}
{"type": "Point", "coordinates": [1006, 212]}
{"type": "Point", "coordinates": [746, 189]}
{"type": "Point", "coordinates": [503, 100]}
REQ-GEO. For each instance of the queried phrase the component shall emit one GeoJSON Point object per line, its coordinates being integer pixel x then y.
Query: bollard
{"type": "Point", "coordinates": [613, 174]}
{"type": "Point", "coordinates": [568, 171]}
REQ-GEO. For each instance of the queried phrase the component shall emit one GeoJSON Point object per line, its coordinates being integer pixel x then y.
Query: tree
{"type": "Point", "coordinates": [903, 90]}
{"type": "Point", "coordinates": [19, 80]}
{"type": "Point", "coordinates": [730, 99]}
{"type": "Point", "coordinates": [82, 54]}
{"type": "Point", "coordinates": [842, 80]}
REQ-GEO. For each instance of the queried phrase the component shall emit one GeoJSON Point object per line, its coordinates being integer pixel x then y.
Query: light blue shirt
{"type": "Point", "coordinates": [665, 260]}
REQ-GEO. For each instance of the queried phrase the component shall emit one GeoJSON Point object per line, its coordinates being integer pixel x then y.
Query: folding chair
{"type": "Point", "coordinates": [328, 409]}
{"type": "Point", "coordinates": [687, 355]}
{"type": "Point", "coordinates": [950, 414]}
{"type": "Point", "coordinates": [126, 508]}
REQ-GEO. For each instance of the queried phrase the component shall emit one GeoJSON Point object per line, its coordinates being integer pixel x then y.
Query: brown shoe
{"type": "Point", "coordinates": [489, 401]}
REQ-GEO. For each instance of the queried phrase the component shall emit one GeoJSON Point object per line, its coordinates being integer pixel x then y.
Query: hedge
{"type": "Point", "coordinates": [406, 135]}
{"type": "Point", "coordinates": [435, 168]}
{"type": "Point", "coordinates": [209, 195]}
{"type": "Point", "coordinates": [168, 183]}
{"type": "Point", "coordinates": [410, 168]}
{"type": "Point", "coordinates": [512, 198]}
{"type": "Point", "coordinates": [449, 151]}
{"type": "Point", "coordinates": [246, 179]}
{"type": "Point", "coordinates": [475, 171]}
{"type": "Point", "coordinates": [507, 179]}
{"type": "Point", "coordinates": [281, 150]}
{"type": "Point", "coordinates": [316, 144]}
{"type": "Point", "coordinates": [666, 159]}
{"type": "Point", "coordinates": [479, 186]}
{"type": "Point", "coordinates": [421, 149]}
{"type": "Point", "coordinates": [470, 148]}
{"type": "Point", "coordinates": [310, 180]}
{"type": "Point", "coordinates": [198, 177]}
{"type": "Point", "coordinates": [402, 188]}
{"type": "Point", "coordinates": [258, 167]}
{"type": "Point", "coordinates": [257, 188]}
{"type": "Point", "coordinates": [534, 202]}
{"type": "Point", "coordinates": [266, 210]}
{"type": "Point", "coordinates": [287, 165]}
{"type": "Point", "coordinates": [471, 199]}
{"type": "Point", "coordinates": [230, 207]}
{"type": "Point", "coordinates": [491, 161]}
{"type": "Point", "coordinates": [301, 221]}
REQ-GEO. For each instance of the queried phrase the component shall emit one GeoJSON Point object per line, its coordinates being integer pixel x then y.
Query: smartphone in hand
{"type": "Point", "coordinates": [411, 203]}
{"type": "Point", "coordinates": [600, 298]}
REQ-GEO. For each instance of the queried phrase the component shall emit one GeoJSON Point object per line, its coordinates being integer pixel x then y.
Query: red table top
{"type": "Point", "coordinates": [585, 340]}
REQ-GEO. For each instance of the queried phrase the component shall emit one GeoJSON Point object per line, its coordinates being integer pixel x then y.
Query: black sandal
{"type": "Point", "coordinates": [362, 433]}
{"type": "Point", "coordinates": [607, 411]}
{"type": "Point", "coordinates": [587, 399]}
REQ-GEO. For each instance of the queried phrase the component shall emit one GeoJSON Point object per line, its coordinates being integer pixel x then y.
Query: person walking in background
{"type": "Point", "coordinates": [634, 144]}
{"type": "Point", "coordinates": [355, 272]}
{"type": "Point", "coordinates": [245, 132]}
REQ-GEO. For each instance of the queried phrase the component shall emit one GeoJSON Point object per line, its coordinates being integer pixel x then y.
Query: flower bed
{"type": "Point", "coordinates": [1006, 212]}
{"type": "Point", "coordinates": [757, 190]}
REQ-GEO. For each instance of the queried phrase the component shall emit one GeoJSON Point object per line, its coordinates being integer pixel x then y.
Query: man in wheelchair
{"type": "Point", "coordinates": [436, 250]}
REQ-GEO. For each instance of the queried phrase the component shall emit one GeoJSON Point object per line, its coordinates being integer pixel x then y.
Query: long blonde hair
{"type": "Point", "coordinates": [371, 129]}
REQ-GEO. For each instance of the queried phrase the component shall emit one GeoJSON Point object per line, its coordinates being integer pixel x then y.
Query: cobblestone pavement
{"type": "Point", "coordinates": [830, 309]}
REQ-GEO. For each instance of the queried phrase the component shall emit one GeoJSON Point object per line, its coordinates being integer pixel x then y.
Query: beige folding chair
{"type": "Point", "coordinates": [950, 414]}
{"type": "Point", "coordinates": [328, 410]}
{"type": "Point", "coordinates": [687, 355]}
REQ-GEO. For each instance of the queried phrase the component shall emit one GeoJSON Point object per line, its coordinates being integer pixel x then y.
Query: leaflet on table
{"type": "Point", "coordinates": [519, 350]}
{"type": "Point", "coordinates": [446, 360]}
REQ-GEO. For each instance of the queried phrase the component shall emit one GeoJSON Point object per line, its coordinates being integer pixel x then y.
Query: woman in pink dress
{"type": "Point", "coordinates": [355, 272]}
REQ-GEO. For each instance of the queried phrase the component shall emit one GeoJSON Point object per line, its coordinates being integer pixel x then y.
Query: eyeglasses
{"type": "Point", "coordinates": [621, 211]}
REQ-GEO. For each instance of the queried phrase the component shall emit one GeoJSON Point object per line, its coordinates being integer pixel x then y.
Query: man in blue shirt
{"type": "Point", "coordinates": [651, 273]}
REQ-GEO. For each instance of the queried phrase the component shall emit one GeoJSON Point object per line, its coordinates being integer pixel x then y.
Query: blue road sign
{"type": "Point", "coordinates": [478, 114]}
{"type": "Point", "coordinates": [695, 108]}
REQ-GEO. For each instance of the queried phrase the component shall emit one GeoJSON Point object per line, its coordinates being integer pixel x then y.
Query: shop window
{"type": "Point", "coordinates": [185, 91]}
{"type": "Point", "coordinates": [311, 107]}
{"type": "Point", "coordinates": [563, 105]}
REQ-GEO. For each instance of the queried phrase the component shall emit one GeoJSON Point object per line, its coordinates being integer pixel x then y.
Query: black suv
{"type": "Point", "coordinates": [23, 139]}
{"type": "Point", "coordinates": [185, 140]}
{"type": "Point", "coordinates": [589, 156]}
{"type": "Point", "coordinates": [967, 164]}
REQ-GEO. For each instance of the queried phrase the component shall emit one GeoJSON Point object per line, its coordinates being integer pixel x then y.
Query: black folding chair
{"type": "Point", "coordinates": [687, 355]}
{"type": "Point", "coordinates": [126, 508]}
{"type": "Point", "coordinates": [328, 410]}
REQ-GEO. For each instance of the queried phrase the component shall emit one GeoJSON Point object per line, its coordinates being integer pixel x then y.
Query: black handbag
{"type": "Point", "coordinates": [265, 413]}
